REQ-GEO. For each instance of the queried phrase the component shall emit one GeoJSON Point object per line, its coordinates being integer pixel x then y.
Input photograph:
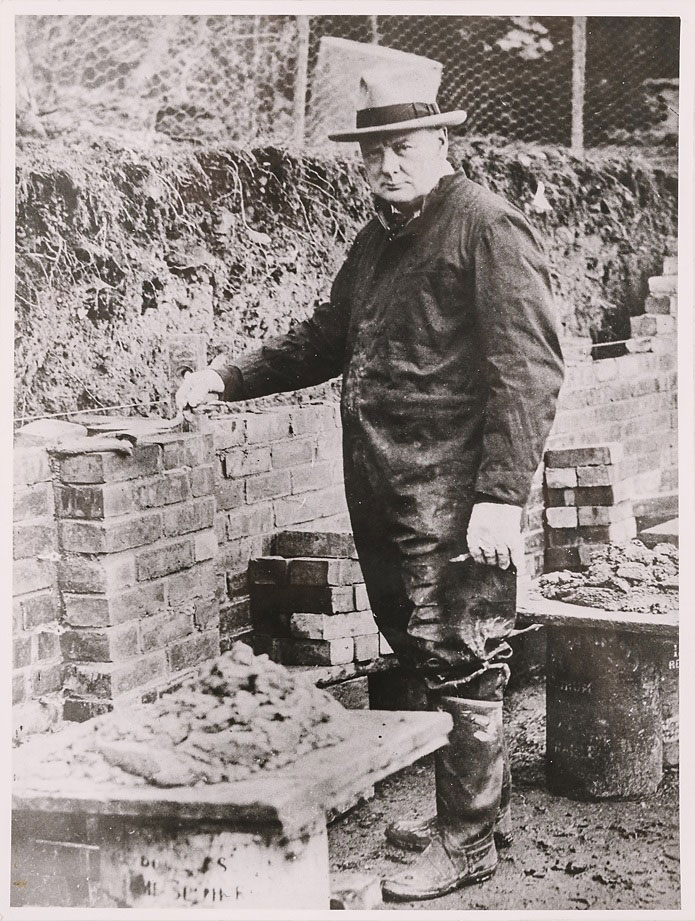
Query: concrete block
{"type": "Point", "coordinates": [584, 456]}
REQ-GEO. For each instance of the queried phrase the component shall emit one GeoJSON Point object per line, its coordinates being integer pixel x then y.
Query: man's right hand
{"type": "Point", "coordinates": [199, 387]}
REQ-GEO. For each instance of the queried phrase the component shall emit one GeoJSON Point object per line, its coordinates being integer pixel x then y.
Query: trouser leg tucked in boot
{"type": "Point", "coordinates": [469, 785]}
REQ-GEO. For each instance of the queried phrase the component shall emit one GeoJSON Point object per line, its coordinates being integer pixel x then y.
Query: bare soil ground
{"type": "Point", "coordinates": [567, 854]}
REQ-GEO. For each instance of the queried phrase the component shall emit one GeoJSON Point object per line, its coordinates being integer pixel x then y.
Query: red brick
{"type": "Point", "coordinates": [111, 535]}
{"type": "Point", "coordinates": [30, 465]}
{"type": "Point", "coordinates": [327, 571]}
{"type": "Point", "coordinates": [384, 646]}
{"type": "Point", "coordinates": [296, 543]}
{"type": "Point", "coordinates": [33, 538]}
{"type": "Point", "coordinates": [235, 554]}
{"type": "Point", "coordinates": [292, 452]}
{"type": "Point", "coordinates": [163, 629]}
{"type": "Point", "coordinates": [199, 450]}
{"type": "Point", "coordinates": [353, 695]}
{"type": "Point", "coordinates": [229, 493]}
{"type": "Point", "coordinates": [317, 417]}
{"type": "Point", "coordinates": [44, 679]}
{"type": "Point", "coordinates": [268, 486]}
{"type": "Point", "coordinates": [604, 514]}
{"type": "Point", "coordinates": [91, 610]}
{"type": "Point", "coordinates": [206, 613]}
{"type": "Point", "coordinates": [77, 711]}
{"type": "Point", "coordinates": [194, 515]}
{"type": "Point", "coordinates": [235, 618]}
{"type": "Point", "coordinates": [228, 433]}
{"type": "Point", "coordinates": [109, 466]}
{"type": "Point", "coordinates": [237, 584]}
{"type": "Point", "coordinates": [366, 647]}
{"type": "Point", "coordinates": [48, 645]}
{"type": "Point", "coordinates": [309, 506]}
{"type": "Point", "coordinates": [32, 575]}
{"type": "Point", "coordinates": [317, 652]}
{"type": "Point", "coordinates": [203, 480]}
{"type": "Point", "coordinates": [560, 478]}
{"type": "Point", "coordinates": [273, 622]}
{"type": "Point", "coordinates": [21, 651]}
{"type": "Point", "coordinates": [193, 650]}
{"type": "Point", "coordinates": [109, 680]}
{"type": "Point", "coordinates": [191, 584]}
{"type": "Point", "coordinates": [205, 545]}
{"type": "Point", "coordinates": [110, 644]}
{"type": "Point", "coordinates": [19, 687]}
{"type": "Point", "coordinates": [250, 520]}
{"type": "Point", "coordinates": [267, 426]}
{"type": "Point", "coordinates": [34, 501]}
{"type": "Point", "coordinates": [268, 570]}
{"type": "Point", "coordinates": [320, 600]}
{"type": "Point", "coordinates": [332, 626]}
{"type": "Point", "coordinates": [361, 597]}
{"type": "Point", "coordinates": [561, 517]}
{"type": "Point", "coordinates": [18, 614]}
{"type": "Point", "coordinates": [584, 456]}
{"type": "Point", "coordinates": [173, 449]}
{"type": "Point", "coordinates": [163, 559]}
{"type": "Point", "coordinates": [312, 476]}
{"type": "Point", "coordinates": [567, 557]}
{"type": "Point", "coordinates": [170, 487]}
{"type": "Point", "coordinates": [599, 475]}
{"type": "Point", "coordinates": [82, 573]}
{"type": "Point", "coordinates": [246, 461]}
{"type": "Point", "coordinates": [270, 598]}
{"type": "Point", "coordinates": [95, 502]}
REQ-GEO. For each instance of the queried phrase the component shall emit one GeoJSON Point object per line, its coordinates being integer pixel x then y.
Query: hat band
{"type": "Point", "coordinates": [400, 112]}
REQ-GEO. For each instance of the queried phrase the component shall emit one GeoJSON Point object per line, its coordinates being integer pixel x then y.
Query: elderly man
{"type": "Point", "coordinates": [441, 324]}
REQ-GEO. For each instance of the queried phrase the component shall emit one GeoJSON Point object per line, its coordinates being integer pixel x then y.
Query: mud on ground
{"type": "Point", "coordinates": [567, 854]}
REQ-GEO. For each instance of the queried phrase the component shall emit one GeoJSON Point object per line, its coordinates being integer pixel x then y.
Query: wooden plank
{"type": "Point", "coordinates": [552, 613]}
{"type": "Point", "coordinates": [293, 798]}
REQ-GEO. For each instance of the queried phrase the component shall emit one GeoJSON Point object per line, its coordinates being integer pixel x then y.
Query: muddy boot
{"type": "Point", "coordinates": [469, 773]}
{"type": "Point", "coordinates": [416, 834]}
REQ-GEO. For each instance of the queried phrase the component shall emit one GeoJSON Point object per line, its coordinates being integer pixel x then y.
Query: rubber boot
{"type": "Point", "coordinates": [468, 774]}
{"type": "Point", "coordinates": [416, 834]}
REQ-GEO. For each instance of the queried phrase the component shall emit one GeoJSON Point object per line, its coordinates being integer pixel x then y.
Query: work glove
{"type": "Point", "coordinates": [494, 535]}
{"type": "Point", "coordinates": [199, 387]}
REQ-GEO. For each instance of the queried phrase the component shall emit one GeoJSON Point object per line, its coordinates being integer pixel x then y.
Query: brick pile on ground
{"type": "Point", "coordinates": [240, 714]}
{"type": "Point", "coordinates": [621, 577]}
{"type": "Point", "coordinates": [309, 603]}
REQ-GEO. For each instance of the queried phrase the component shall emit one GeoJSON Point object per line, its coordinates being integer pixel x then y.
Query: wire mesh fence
{"type": "Point", "coordinates": [286, 79]}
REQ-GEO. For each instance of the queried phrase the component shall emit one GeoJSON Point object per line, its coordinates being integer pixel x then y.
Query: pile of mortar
{"type": "Point", "coordinates": [621, 577]}
{"type": "Point", "coordinates": [240, 714]}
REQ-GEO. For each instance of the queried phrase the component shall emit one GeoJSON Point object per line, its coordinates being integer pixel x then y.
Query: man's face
{"type": "Point", "coordinates": [403, 167]}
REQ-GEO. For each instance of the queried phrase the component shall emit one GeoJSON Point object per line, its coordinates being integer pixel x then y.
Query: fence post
{"type": "Point", "coordinates": [578, 82]}
{"type": "Point", "coordinates": [301, 79]}
{"type": "Point", "coordinates": [374, 25]}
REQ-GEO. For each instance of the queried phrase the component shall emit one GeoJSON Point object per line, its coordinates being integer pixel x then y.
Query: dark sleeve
{"type": "Point", "coordinates": [309, 353]}
{"type": "Point", "coordinates": [522, 357]}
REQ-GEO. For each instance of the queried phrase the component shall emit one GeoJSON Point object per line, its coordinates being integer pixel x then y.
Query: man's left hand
{"type": "Point", "coordinates": [494, 535]}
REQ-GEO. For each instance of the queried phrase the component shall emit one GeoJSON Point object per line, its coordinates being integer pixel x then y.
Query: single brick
{"type": "Point", "coordinates": [92, 610]}
{"type": "Point", "coordinates": [237, 583]}
{"type": "Point", "coordinates": [45, 678]}
{"type": "Point", "coordinates": [366, 647]}
{"type": "Point", "coordinates": [78, 711]}
{"type": "Point", "coordinates": [21, 651]}
{"type": "Point", "coordinates": [361, 597]}
{"type": "Point", "coordinates": [604, 514]}
{"type": "Point", "coordinates": [268, 570]}
{"type": "Point", "coordinates": [599, 475]}
{"type": "Point", "coordinates": [384, 646]}
{"type": "Point", "coordinates": [309, 506]}
{"type": "Point", "coordinates": [317, 417]}
{"type": "Point", "coordinates": [163, 629]}
{"type": "Point", "coordinates": [191, 584]}
{"type": "Point", "coordinates": [267, 426]}
{"type": "Point", "coordinates": [269, 598]}
{"type": "Point", "coordinates": [110, 680]}
{"type": "Point", "coordinates": [661, 304]}
{"type": "Point", "coordinates": [30, 465]}
{"type": "Point", "coordinates": [656, 324]}
{"type": "Point", "coordinates": [234, 555]}
{"type": "Point", "coordinates": [271, 622]}
{"type": "Point", "coordinates": [585, 456]}
{"type": "Point", "coordinates": [33, 538]}
{"type": "Point", "coordinates": [268, 486]}
{"type": "Point", "coordinates": [327, 571]}
{"type": "Point", "coordinates": [205, 545]}
{"type": "Point", "coordinates": [109, 466]}
{"type": "Point", "coordinates": [111, 535]}
{"type": "Point", "coordinates": [561, 517]}
{"type": "Point", "coordinates": [35, 501]}
{"type": "Point", "coordinates": [110, 644]}
{"type": "Point", "coordinates": [173, 449]}
{"type": "Point", "coordinates": [193, 649]}
{"type": "Point", "coordinates": [172, 486]}
{"type": "Point", "coordinates": [185, 517]}
{"type": "Point", "coordinates": [616, 533]}
{"type": "Point", "coordinates": [352, 694]}
{"type": "Point", "coordinates": [292, 452]}
{"type": "Point", "coordinates": [560, 478]}
{"type": "Point", "coordinates": [246, 461]}
{"type": "Point", "coordinates": [101, 501]}
{"type": "Point", "coordinates": [317, 652]}
{"type": "Point", "coordinates": [18, 613]}
{"type": "Point", "coordinates": [228, 433]}
{"type": "Point", "coordinates": [229, 493]}
{"type": "Point", "coordinates": [19, 687]}
{"type": "Point", "coordinates": [589, 495]}
{"type": "Point", "coordinates": [250, 520]}
{"type": "Point", "coordinates": [48, 645]}
{"type": "Point", "coordinates": [332, 626]}
{"type": "Point", "coordinates": [302, 543]}
{"type": "Point", "coordinates": [199, 450]}
{"type": "Point", "coordinates": [203, 480]}
{"type": "Point", "coordinates": [82, 573]}
{"type": "Point", "coordinates": [322, 600]}
{"type": "Point", "coordinates": [206, 613]}
{"type": "Point", "coordinates": [235, 618]}
{"type": "Point", "coordinates": [312, 476]}
{"type": "Point", "coordinates": [663, 284]}
{"type": "Point", "coordinates": [32, 576]}
{"type": "Point", "coordinates": [164, 559]}
{"type": "Point", "coordinates": [220, 526]}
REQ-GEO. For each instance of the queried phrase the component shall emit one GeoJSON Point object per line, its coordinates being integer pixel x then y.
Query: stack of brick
{"type": "Point", "coordinates": [137, 570]}
{"type": "Point", "coordinates": [37, 676]}
{"type": "Point", "coordinates": [651, 330]}
{"type": "Point", "coordinates": [309, 604]}
{"type": "Point", "coordinates": [274, 469]}
{"type": "Point", "coordinates": [588, 502]}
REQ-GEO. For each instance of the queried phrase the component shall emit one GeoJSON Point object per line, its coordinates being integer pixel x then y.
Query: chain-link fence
{"type": "Point", "coordinates": [286, 79]}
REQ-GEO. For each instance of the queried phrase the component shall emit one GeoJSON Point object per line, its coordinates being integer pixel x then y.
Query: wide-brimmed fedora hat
{"type": "Point", "coordinates": [393, 100]}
